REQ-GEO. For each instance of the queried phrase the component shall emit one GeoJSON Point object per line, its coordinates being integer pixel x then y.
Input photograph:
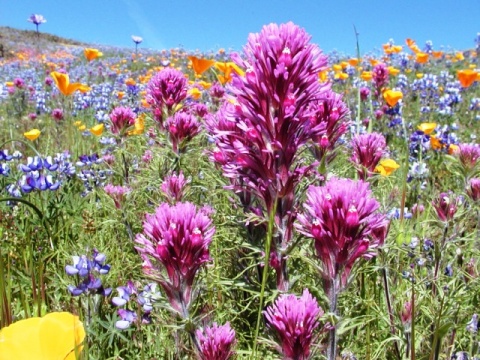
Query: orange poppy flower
{"type": "Point", "coordinates": [452, 149]}
{"type": "Point", "coordinates": [195, 93]}
{"type": "Point", "coordinates": [421, 58]}
{"type": "Point", "coordinates": [397, 48]}
{"type": "Point", "coordinates": [63, 84]}
{"type": "Point", "coordinates": [200, 65]}
{"type": "Point", "coordinates": [130, 82]}
{"type": "Point", "coordinates": [392, 97]}
{"type": "Point", "coordinates": [374, 62]}
{"type": "Point", "coordinates": [353, 61]}
{"type": "Point", "coordinates": [437, 54]}
{"type": "Point", "coordinates": [412, 45]}
{"type": "Point", "coordinates": [467, 77]}
{"type": "Point", "coordinates": [323, 76]}
{"type": "Point", "coordinates": [92, 54]}
{"type": "Point", "coordinates": [435, 143]}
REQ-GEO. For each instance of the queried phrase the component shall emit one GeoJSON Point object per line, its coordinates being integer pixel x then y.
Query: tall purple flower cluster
{"type": "Point", "coordinates": [294, 320]}
{"type": "Point", "coordinates": [215, 342]}
{"type": "Point", "coordinates": [260, 130]}
{"type": "Point", "coordinates": [174, 245]}
{"type": "Point", "coordinates": [122, 118]}
{"type": "Point", "coordinates": [181, 128]}
{"type": "Point", "coordinates": [367, 150]}
{"type": "Point", "coordinates": [379, 76]}
{"type": "Point", "coordinates": [342, 219]}
{"type": "Point", "coordinates": [166, 89]}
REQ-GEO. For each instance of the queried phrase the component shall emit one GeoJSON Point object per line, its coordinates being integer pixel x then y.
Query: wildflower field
{"type": "Point", "coordinates": [274, 203]}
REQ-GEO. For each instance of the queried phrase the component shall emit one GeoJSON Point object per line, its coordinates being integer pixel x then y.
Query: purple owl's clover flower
{"type": "Point", "coordinates": [117, 193]}
{"type": "Point", "coordinates": [122, 119]}
{"type": "Point", "coordinates": [294, 320]}
{"type": "Point", "coordinates": [165, 90]}
{"type": "Point", "coordinates": [173, 187]}
{"type": "Point", "coordinates": [367, 150]}
{"type": "Point", "coordinates": [273, 111]}
{"type": "Point", "coordinates": [446, 206]}
{"type": "Point", "coordinates": [174, 245]}
{"type": "Point", "coordinates": [215, 342]}
{"type": "Point", "coordinates": [181, 128]}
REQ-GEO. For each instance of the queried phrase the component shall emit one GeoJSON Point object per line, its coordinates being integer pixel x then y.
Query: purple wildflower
{"type": "Point", "coordinates": [367, 150]}
{"type": "Point", "coordinates": [341, 217]}
{"type": "Point", "coordinates": [37, 19]}
{"type": "Point", "coordinates": [173, 187]}
{"type": "Point", "coordinates": [379, 76]}
{"type": "Point", "coordinates": [57, 114]}
{"type": "Point", "coordinates": [216, 342]}
{"type": "Point", "coordinates": [260, 131]}
{"type": "Point", "coordinates": [117, 193]}
{"type": "Point", "coordinates": [122, 119]}
{"type": "Point", "coordinates": [473, 189]}
{"type": "Point", "coordinates": [468, 155]}
{"type": "Point", "coordinates": [181, 127]}
{"type": "Point", "coordinates": [137, 39]}
{"type": "Point", "coordinates": [294, 320]}
{"type": "Point", "coordinates": [446, 206]}
{"type": "Point", "coordinates": [176, 238]}
{"type": "Point", "coordinates": [166, 89]}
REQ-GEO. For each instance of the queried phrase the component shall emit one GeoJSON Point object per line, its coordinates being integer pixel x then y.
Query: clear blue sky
{"type": "Point", "coordinates": [213, 24]}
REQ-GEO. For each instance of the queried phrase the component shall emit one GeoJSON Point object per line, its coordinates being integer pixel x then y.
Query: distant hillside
{"type": "Point", "coordinates": [12, 40]}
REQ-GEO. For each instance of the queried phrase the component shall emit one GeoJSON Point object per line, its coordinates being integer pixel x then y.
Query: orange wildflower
{"type": "Point", "coordinates": [63, 84]}
{"type": "Point", "coordinates": [130, 82]}
{"type": "Point", "coordinates": [435, 143]}
{"type": "Point", "coordinates": [392, 97]}
{"type": "Point", "coordinates": [467, 77]}
{"type": "Point", "coordinates": [427, 128]}
{"type": "Point", "coordinates": [366, 76]}
{"type": "Point", "coordinates": [200, 65]}
{"type": "Point", "coordinates": [92, 54]}
{"type": "Point", "coordinates": [353, 61]}
{"type": "Point", "coordinates": [421, 58]}
{"type": "Point", "coordinates": [227, 68]}
{"type": "Point", "coordinates": [437, 54]}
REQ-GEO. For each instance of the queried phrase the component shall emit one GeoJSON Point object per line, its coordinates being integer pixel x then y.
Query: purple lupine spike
{"type": "Point", "coordinates": [294, 320]}
{"type": "Point", "coordinates": [342, 219]}
{"type": "Point", "coordinates": [127, 318]}
{"type": "Point", "coordinates": [177, 238]}
{"type": "Point", "coordinates": [367, 151]}
{"type": "Point", "coordinates": [216, 342]}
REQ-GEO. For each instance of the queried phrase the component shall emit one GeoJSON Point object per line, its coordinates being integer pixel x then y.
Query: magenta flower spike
{"type": "Point", "coordinates": [367, 151]}
{"type": "Point", "coordinates": [165, 90]}
{"type": "Point", "coordinates": [379, 76]}
{"type": "Point", "coordinates": [216, 342]}
{"type": "Point", "coordinates": [446, 206]}
{"type": "Point", "coordinates": [468, 155]}
{"type": "Point", "coordinates": [294, 320]}
{"type": "Point", "coordinates": [473, 189]}
{"type": "Point", "coordinates": [342, 219]}
{"type": "Point", "coordinates": [181, 128]}
{"type": "Point", "coordinates": [174, 245]}
{"type": "Point", "coordinates": [262, 127]}
{"type": "Point", "coordinates": [117, 193]}
{"type": "Point", "coordinates": [173, 187]}
{"type": "Point", "coordinates": [122, 118]}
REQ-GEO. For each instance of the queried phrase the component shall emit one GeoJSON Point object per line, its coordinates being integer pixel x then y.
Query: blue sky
{"type": "Point", "coordinates": [213, 24]}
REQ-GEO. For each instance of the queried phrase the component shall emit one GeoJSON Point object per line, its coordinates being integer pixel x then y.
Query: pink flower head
{"type": "Point", "coordinates": [173, 187]}
{"type": "Point", "coordinates": [181, 127]}
{"type": "Point", "coordinates": [446, 205]}
{"type": "Point", "coordinates": [380, 75]}
{"type": "Point", "coordinates": [19, 83]}
{"type": "Point", "coordinates": [468, 154]}
{"type": "Point", "coordinates": [122, 119]}
{"type": "Point", "coordinates": [216, 342]}
{"type": "Point", "coordinates": [406, 314]}
{"type": "Point", "coordinates": [166, 88]}
{"type": "Point", "coordinates": [341, 217]}
{"type": "Point", "coordinates": [117, 193]}
{"type": "Point", "coordinates": [367, 150]}
{"type": "Point", "coordinates": [473, 189]}
{"type": "Point", "coordinates": [331, 113]}
{"type": "Point", "coordinates": [294, 320]}
{"type": "Point", "coordinates": [57, 114]}
{"type": "Point", "coordinates": [176, 237]}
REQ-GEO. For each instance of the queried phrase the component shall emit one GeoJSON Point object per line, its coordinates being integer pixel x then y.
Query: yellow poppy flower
{"type": "Point", "coordinates": [195, 93]}
{"type": "Point", "coordinates": [56, 336]}
{"type": "Point", "coordinates": [120, 95]}
{"type": "Point", "coordinates": [337, 67]}
{"type": "Point", "coordinates": [386, 167]}
{"type": "Point", "coordinates": [97, 130]}
{"type": "Point", "coordinates": [78, 123]}
{"type": "Point", "coordinates": [393, 71]}
{"type": "Point", "coordinates": [227, 68]}
{"type": "Point", "coordinates": [452, 149]}
{"type": "Point", "coordinates": [323, 76]}
{"type": "Point", "coordinates": [341, 75]}
{"type": "Point", "coordinates": [459, 56]}
{"type": "Point", "coordinates": [139, 125]}
{"type": "Point", "coordinates": [92, 54]}
{"type": "Point", "coordinates": [419, 75]}
{"type": "Point", "coordinates": [200, 65]}
{"type": "Point", "coordinates": [82, 127]}
{"type": "Point", "coordinates": [366, 76]}
{"type": "Point", "coordinates": [392, 97]}
{"type": "Point", "coordinates": [9, 84]}
{"type": "Point", "coordinates": [32, 134]}
{"type": "Point", "coordinates": [63, 84]}
{"type": "Point", "coordinates": [467, 77]}
{"type": "Point", "coordinates": [427, 128]}
{"type": "Point", "coordinates": [205, 84]}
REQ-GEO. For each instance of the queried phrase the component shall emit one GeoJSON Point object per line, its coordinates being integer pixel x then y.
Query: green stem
{"type": "Point", "coordinates": [268, 243]}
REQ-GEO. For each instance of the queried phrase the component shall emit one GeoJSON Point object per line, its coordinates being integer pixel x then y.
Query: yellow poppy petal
{"type": "Point", "coordinates": [427, 128]}
{"type": "Point", "coordinates": [32, 134]}
{"type": "Point", "coordinates": [97, 130]}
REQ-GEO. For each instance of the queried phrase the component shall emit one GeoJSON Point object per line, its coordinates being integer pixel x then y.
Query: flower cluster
{"type": "Point", "coordinates": [91, 173]}
{"type": "Point", "coordinates": [173, 187]}
{"type": "Point", "coordinates": [86, 269]}
{"type": "Point", "coordinates": [294, 320]}
{"type": "Point", "coordinates": [117, 193]}
{"type": "Point", "coordinates": [173, 246]}
{"type": "Point", "coordinates": [216, 342]}
{"type": "Point", "coordinates": [367, 151]}
{"type": "Point", "coordinates": [181, 128]}
{"type": "Point", "coordinates": [144, 300]}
